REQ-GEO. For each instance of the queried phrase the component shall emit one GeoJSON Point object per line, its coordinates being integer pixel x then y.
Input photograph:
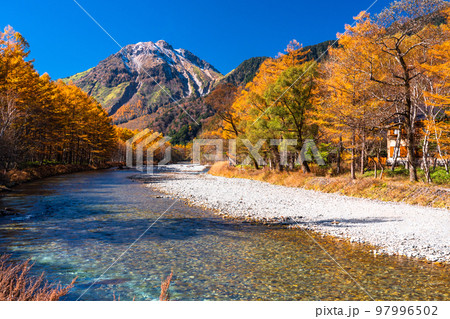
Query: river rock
{"type": "Point", "coordinates": [395, 228]}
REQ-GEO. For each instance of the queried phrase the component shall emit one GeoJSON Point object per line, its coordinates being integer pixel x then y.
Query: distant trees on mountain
{"type": "Point", "coordinates": [46, 121]}
{"type": "Point", "coordinates": [165, 119]}
{"type": "Point", "coordinates": [244, 73]}
{"type": "Point", "coordinates": [319, 51]}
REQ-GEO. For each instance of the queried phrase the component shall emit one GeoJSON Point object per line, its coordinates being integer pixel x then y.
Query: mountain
{"type": "Point", "coordinates": [124, 83]}
{"type": "Point", "coordinates": [319, 51]}
{"type": "Point", "coordinates": [142, 77]}
{"type": "Point", "coordinates": [244, 73]}
{"type": "Point", "coordinates": [173, 120]}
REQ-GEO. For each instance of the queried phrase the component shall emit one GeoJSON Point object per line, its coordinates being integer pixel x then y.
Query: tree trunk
{"type": "Point", "coordinates": [379, 162]}
{"type": "Point", "coordinates": [363, 153]}
{"type": "Point", "coordinates": [338, 160]}
{"type": "Point", "coordinates": [396, 149]}
{"type": "Point", "coordinates": [446, 162]}
{"type": "Point", "coordinates": [276, 158]}
{"type": "Point", "coordinates": [411, 156]}
{"type": "Point", "coordinates": [292, 161]}
{"type": "Point", "coordinates": [375, 171]}
{"type": "Point", "coordinates": [255, 162]}
{"type": "Point", "coordinates": [426, 165]}
{"type": "Point", "coordinates": [305, 167]}
{"type": "Point", "coordinates": [411, 109]}
{"type": "Point", "coordinates": [352, 166]}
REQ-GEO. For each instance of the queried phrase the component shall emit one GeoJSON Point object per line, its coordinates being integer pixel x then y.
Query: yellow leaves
{"type": "Point", "coordinates": [250, 102]}
{"type": "Point", "coordinates": [437, 94]}
{"type": "Point", "coordinates": [124, 134]}
{"type": "Point", "coordinates": [362, 16]}
{"type": "Point", "coordinates": [56, 121]}
{"type": "Point", "coordinates": [344, 106]}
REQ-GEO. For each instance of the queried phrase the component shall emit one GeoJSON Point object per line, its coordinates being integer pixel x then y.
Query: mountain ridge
{"type": "Point", "coordinates": [129, 107]}
{"type": "Point", "coordinates": [149, 74]}
{"type": "Point", "coordinates": [244, 72]}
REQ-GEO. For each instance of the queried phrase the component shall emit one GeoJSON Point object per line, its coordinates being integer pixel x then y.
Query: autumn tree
{"type": "Point", "coordinates": [401, 39]}
{"type": "Point", "coordinates": [437, 94]}
{"type": "Point", "coordinates": [42, 120]}
{"type": "Point", "coordinates": [346, 111]}
{"type": "Point", "coordinates": [291, 99]}
{"type": "Point", "coordinates": [220, 100]}
{"type": "Point", "coordinates": [17, 79]}
{"type": "Point", "coordinates": [257, 102]}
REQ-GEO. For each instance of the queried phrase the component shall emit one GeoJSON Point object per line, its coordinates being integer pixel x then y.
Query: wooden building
{"type": "Point", "coordinates": [393, 138]}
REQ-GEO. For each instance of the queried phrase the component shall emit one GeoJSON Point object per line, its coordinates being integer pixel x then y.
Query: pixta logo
{"type": "Point", "coordinates": [145, 144]}
{"type": "Point", "coordinates": [308, 152]}
{"type": "Point", "coordinates": [150, 142]}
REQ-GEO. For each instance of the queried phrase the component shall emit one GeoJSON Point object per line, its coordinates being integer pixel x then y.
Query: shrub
{"type": "Point", "coordinates": [16, 284]}
{"type": "Point", "coordinates": [440, 176]}
{"type": "Point", "coordinates": [398, 171]}
{"type": "Point", "coordinates": [165, 284]}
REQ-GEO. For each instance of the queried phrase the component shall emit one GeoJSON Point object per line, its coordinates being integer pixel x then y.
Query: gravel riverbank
{"type": "Point", "coordinates": [395, 228]}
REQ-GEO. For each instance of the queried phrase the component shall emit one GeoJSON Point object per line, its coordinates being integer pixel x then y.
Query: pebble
{"type": "Point", "coordinates": [395, 228]}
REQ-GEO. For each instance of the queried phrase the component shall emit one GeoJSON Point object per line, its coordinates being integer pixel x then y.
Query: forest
{"type": "Point", "coordinates": [388, 74]}
{"type": "Point", "coordinates": [379, 92]}
{"type": "Point", "coordinates": [44, 121]}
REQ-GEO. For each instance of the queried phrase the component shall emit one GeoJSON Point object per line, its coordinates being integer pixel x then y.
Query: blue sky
{"type": "Point", "coordinates": [64, 40]}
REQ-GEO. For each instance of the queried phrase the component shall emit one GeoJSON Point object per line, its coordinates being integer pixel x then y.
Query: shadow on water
{"type": "Point", "coordinates": [349, 222]}
{"type": "Point", "coordinates": [78, 225]}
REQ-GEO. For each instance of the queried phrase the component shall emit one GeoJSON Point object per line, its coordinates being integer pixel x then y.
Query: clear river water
{"type": "Point", "coordinates": [78, 225]}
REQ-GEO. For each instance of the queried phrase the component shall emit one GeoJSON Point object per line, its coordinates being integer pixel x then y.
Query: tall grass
{"type": "Point", "coordinates": [165, 284]}
{"type": "Point", "coordinates": [16, 283]}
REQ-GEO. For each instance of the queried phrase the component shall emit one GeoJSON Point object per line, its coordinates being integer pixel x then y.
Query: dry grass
{"type": "Point", "coordinates": [16, 284]}
{"type": "Point", "coordinates": [165, 284]}
{"type": "Point", "coordinates": [18, 176]}
{"type": "Point", "coordinates": [386, 189]}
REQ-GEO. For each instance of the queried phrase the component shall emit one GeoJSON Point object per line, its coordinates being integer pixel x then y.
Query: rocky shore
{"type": "Point", "coordinates": [395, 228]}
{"type": "Point", "coordinates": [16, 177]}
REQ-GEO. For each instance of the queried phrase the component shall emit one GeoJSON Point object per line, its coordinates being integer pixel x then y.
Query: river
{"type": "Point", "coordinates": [78, 225]}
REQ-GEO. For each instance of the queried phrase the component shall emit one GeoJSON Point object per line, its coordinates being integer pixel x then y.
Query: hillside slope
{"type": "Point", "coordinates": [142, 77]}
{"type": "Point", "coordinates": [244, 73]}
{"type": "Point", "coordinates": [124, 84]}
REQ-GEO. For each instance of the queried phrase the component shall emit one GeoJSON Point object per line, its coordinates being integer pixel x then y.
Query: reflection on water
{"type": "Point", "coordinates": [77, 225]}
